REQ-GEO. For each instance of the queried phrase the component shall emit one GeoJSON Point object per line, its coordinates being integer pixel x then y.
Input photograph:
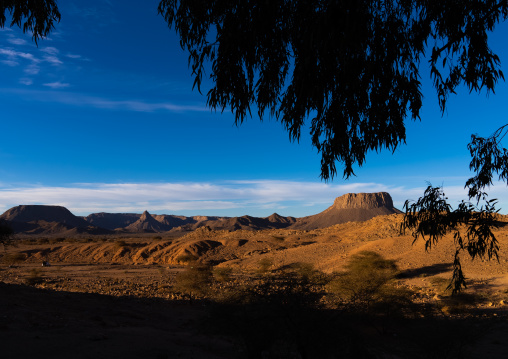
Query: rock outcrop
{"type": "Point", "coordinates": [112, 221]}
{"type": "Point", "coordinates": [147, 224]}
{"type": "Point", "coordinates": [351, 207]}
{"type": "Point", "coordinates": [42, 219]}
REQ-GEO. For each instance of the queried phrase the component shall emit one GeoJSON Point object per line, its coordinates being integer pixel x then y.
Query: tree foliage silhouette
{"type": "Point", "coordinates": [351, 67]}
{"type": "Point", "coordinates": [35, 16]}
{"type": "Point", "coordinates": [431, 216]}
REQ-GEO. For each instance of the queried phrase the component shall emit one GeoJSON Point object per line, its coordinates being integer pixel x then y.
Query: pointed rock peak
{"type": "Point", "coordinates": [363, 200]}
{"type": "Point", "coordinates": [145, 216]}
{"type": "Point", "coordinates": [274, 217]}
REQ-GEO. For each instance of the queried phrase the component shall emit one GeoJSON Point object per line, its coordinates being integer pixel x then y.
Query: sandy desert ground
{"type": "Point", "coordinates": [104, 297]}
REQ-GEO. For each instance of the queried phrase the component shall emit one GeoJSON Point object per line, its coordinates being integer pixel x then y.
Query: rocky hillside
{"type": "Point", "coordinates": [36, 219]}
{"type": "Point", "coordinates": [41, 219]}
{"type": "Point", "coordinates": [111, 221]}
{"type": "Point", "coordinates": [351, 207]}
{"type": "Point", "coordinates": [240, 223]}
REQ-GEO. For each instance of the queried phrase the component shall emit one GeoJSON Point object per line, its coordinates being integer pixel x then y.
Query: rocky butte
{"type": "Point", "coordinates": [42, 219]}
{"type": "Point", "coordinates": [357, 207]}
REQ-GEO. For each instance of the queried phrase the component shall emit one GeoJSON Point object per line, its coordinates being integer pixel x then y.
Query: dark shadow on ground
{"type": "Point", "coordinates": [427, 270]}
{"type": "Point", "coordinates": [39, 323]}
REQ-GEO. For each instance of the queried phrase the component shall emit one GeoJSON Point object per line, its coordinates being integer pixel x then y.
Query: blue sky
{"type": "Point", "coordinates": [101, 116]}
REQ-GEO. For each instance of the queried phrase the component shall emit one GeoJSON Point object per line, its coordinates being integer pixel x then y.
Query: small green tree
{"type": "Point", "coordinates": [12, 258]}
{"type": "Point", "coordinates": [194, 281]}
{"type": "Point", "coordinates": [222, 274]}
{"type": "Point", "coordinates": [265, 266]}
{"type": "Point", "coordinates": [365, 280]}
{"type": "Point", "coordinates": [472, 222]}
{"type": "Point", "coordinates": [6, 233]}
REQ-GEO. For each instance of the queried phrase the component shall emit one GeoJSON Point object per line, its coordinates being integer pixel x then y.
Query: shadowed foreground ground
{"type": "Point", "coordinates": [38, 323]}
{"type": "Point", "coordinates": [57, 324]}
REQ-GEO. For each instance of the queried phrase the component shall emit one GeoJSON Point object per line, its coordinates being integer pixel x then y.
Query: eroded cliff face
{"type": "Point", "coordinates": [363, 201]}
{"type": "Point", "coordinates": [34, 213]}
{"type": "Point", "coordinates": [351, 207]}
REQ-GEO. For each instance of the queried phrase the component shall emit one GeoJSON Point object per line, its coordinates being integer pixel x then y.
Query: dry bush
{"type": "Point", "coordinates": [12, 258]}
{"type": "Point", "coordinates": [35, 276]}
{"type": "Point", "coordinates": [441, 285]}
{"type": "Point", "coordinates": [279, 238]}
{"type": "Point", "coordinates": [42, 241]}
{"type": "Point", "coordinates": [265, 266]}
{"type": "Point", "coordinates": [367, 280]}
{"type": "Point", "coordinates": [57, 240]}
{"type": "Point", "coordinates": [194, 281]}
{"type": "Point", "coordinates": [186, 258]}
{"type": "Point", "coordinates": [222, 274]}
{"type": "Point", "coordinates": [120, 244]}
{"type": "Point", "coordinates": [308, 274]}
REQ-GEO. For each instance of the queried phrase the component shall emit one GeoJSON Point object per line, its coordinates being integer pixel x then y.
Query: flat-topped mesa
{"type": "Point", "coordinates": [34, 213]}
{"type": "Point", "coordinates": [363, 201]}
{"type": "Point", "coordinates": [351, 207]}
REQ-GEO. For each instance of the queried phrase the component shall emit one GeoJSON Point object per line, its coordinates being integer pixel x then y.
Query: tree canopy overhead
{"type": "Point", "coordinates": [351, 68]}
{"type": "Point", "coordinates": [35, 16]}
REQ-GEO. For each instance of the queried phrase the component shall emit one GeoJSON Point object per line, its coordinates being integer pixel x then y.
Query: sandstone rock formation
{"type": "Point", "coordinates": [351, 207]}
{"type": "Point", "coordinates": [39, 219]}
{"type": "Point", "coordinates": [112, 221]}
{"type": "Point", "coordinates": [147, 224]}
{"type": "Point", "coordinates": [42, 219]}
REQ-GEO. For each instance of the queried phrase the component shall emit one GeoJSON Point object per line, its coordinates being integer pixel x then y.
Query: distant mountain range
{"type": "Point", "coordinates": [49, 220]}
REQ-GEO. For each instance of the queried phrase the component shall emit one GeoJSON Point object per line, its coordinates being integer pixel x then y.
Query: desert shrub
{"type": "Point", "coordinates": [278, 238]}
{"type": "Point", "coordinates": [186, 258]}
{"type": "Point", "coordinates": [120, 244]}
{"type": "Point", "coordinates": [265, 265]}
{"type": "Point", "coordinates": [56, 240]}
{"type": "Point", "coordinates": [194, 281]}
{"type": "Point", "coordinates": [34, 277]}
{"type": "Point", "coordinates": [441, 285]}
{"type": "Point", "coordinates": [222, 274]}
{"type": "Point", "coordinates": [42, 241]}
{"type": "Point", "coordinates": [13, 258]}
{"type": "Point", "coordinates": [6, 233]}
{"type": "Point", "coordinates": [365, 280]}
{"type": "Point", "coordinates": [307, 273]}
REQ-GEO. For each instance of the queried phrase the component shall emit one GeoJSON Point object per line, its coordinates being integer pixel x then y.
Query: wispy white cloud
{"type": "Point", "coordinates": [13, 54]}
{"type": "Point", "coordinates": [50, 50]}
{"type": "Point", "coordinates": [81, 100]}
{"type": "Point", "coordinates": [32, 69]}
{"type": "Point", "coordinates": [261, 197]}
{"type": "Point", "coordinates": [56, 85]}
{"type": "Point", "coordinates": [73, 56]}
{"type": "Point", "coordinates": [53, 60]}
{"type": "Point", "coordinates": [16, 41]}
{"type": "Point", "coordinates": [140, 106]}
{"type": "Point", "coordinates": [10, 63]}
{"type": "Point", "coordinates": [15, 58]}
{"type": "Point", "coordinates": [26, 81]}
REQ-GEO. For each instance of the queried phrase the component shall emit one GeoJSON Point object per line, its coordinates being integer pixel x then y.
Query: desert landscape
{"type": "Point", "coordinates": [344, 283]}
